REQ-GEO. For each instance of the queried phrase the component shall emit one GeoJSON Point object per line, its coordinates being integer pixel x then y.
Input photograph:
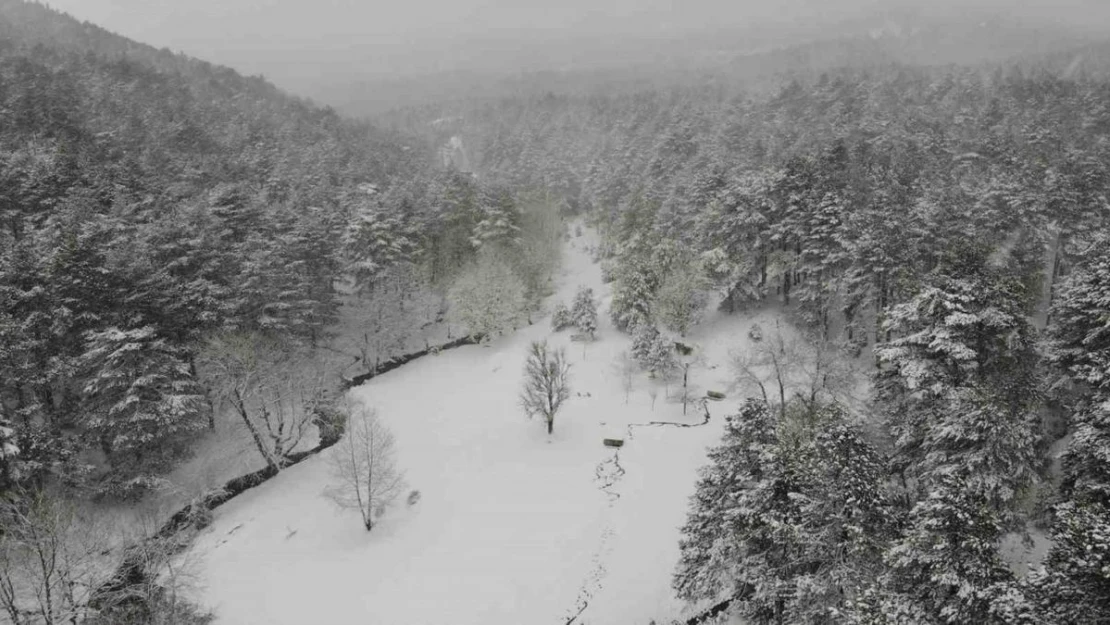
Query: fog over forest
{"type": "Point", "coordinates": [319, 48]}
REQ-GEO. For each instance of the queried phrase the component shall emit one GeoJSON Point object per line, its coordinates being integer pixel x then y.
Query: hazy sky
{"type": "Point", "coordinates": [295, 41]}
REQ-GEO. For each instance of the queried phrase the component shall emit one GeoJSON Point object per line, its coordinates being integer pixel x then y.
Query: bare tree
{"type": "Point", "coordinates": [807, 368]}
{"type": "Point", "coordinates": [546, 382]}
{"type": "Point", "coordinates": [689, 390]}
{"type": "Point", "coordinates": [653, 393]}
{"type": "Point", "coordinates": [365, 467]}
{"type": "Point", "coordinates": [767, 366]}
{"type": "Point", "coordinates": [626, 367]}
{"type": "Point", "coordinates": [275, 392]}
{"type": "Point", "coordinates": [51, 560]}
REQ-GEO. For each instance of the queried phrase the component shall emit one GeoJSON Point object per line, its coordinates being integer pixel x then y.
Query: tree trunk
{"type": "Point", "coordinates": [241, 408]}
{"type": "Point", "coordinates": [550, 424]}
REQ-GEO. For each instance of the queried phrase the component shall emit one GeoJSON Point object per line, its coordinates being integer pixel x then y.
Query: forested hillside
{"type": "Point", "coordinates": [951, 225]}
{"type": "Point", "coordinates": [164, 219]}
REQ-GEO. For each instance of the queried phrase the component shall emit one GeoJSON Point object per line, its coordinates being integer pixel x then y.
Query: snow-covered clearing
{"type": "Point", "coordinates": [513, 527]}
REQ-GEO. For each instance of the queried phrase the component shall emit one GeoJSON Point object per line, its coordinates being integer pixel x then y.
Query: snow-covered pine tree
{"type": "Point", "coordinates": [722, 505]}
{"type": "Point", "coordinates": [633, 290]}
{"type": "Point", "coordinates": [561, 319]}
{"type": "Point", "coordinates": [643, 337]}
{"type": "Point", "coordinates": [584, 312]}
{"type": "Point", "coordinates": [1075, 584]}
{"type": "Point", "coordinates": [145, 400]}
{"type": "Point", "coordinates": [1079, 330]}
{"type": "Point", "coordinates": [788, 517]}
{"type": "Point", "coordinates": [682, 298]}
{"type": "Point", "coordinates": [661, 360]}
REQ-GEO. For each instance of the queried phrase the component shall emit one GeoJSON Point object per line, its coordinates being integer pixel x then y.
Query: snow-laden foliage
{"type": "Point", "coordinates": [681, 299]}
{"type": "Point", "coordinates": [787, 519]}
{"type": "Point", "coordinates": [561, 317]}
{"type": "Point", "coordinates": [145, 401]}
{"type": "Point", "coordinates": [644, 336]}
{"type": "Point", "coordinates": [584, 312]}
{"type": "Point", "coordinates": [1081, 321]}
{"type": "Point", "coordinates": [487, 298]}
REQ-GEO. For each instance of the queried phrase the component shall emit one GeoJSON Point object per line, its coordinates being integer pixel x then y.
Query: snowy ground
{"type": "Point", "coordinates": [513, 527]}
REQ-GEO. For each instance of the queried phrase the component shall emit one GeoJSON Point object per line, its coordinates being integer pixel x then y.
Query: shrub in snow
{"type": "Point", "coordinates": [755, 333]}
{"type": "Point", "coordinates": [561, 319]}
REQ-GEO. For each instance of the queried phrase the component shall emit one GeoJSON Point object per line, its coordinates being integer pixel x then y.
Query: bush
{"type": "Point", "coordinates": [561, 319]}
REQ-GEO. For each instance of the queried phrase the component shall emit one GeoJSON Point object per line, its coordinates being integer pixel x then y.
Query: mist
{"type": "Point", "coordinates": [318, 48]}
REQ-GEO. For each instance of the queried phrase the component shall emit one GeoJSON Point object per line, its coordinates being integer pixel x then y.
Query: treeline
{"type": "Point", "coordinates": [953, 224]}
{"type": "Point", "coordinates": [164, 221]}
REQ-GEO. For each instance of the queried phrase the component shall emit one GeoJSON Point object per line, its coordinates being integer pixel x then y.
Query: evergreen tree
{"type": "Point", "coordinates": [584, 312]}
{"type": "Point", "coordinates": [788, 518]}
{"type": "Point", "coordinates": [147, 403]}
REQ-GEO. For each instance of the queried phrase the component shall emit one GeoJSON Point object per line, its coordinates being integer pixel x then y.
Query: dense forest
{"type": "Point", "coordinates": [175, 238]}
{"type": "Point", "coordinates": [950, 224]}
{"type": "Point", "coordinates": [180, 242]}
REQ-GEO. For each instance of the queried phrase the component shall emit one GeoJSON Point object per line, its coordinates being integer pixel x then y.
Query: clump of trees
{"type": "Point", "coordinates": [788, 517]}
{"type": "Point", "coordinates": [364, 466]}
{"type": "Point", "coordinates": [276, 392]}
{"type": "Point", "coordinates": [546, 383]}
{"type": "Point", "coordinates": [487, 298]}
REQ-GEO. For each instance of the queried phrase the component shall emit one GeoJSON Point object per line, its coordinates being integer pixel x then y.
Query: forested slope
{"type": "Point", "coordinates": [156, 209]}
{"type": "Point", "coordinates": [950, 222]}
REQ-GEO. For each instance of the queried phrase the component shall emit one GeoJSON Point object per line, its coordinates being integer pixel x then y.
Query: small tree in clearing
{"type": "Point", "coordinates": [661, 361]}
{"type": "Point", "coordinates": [626, 368]}
{"type": "Point", "coordinates": [365, 467]}
{"type": "Point", "coordinates": [643, 336]}
{"type": "Point", "coordinates": [546, 382]}
{"type": "Point", "coordinates": [584, 312]}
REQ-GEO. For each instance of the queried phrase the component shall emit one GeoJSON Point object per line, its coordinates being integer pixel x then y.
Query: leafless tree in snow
{"type": "Point", "coordinates": [364, 466]}
{"type": "Point", "coordinates": [274, 391]}
{"type": "Point", "coordinates": [546, 382]}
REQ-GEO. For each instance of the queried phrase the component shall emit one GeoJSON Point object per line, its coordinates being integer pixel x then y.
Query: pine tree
{"type": "Point", "coordinates": [561, 318]}
{"type": "Point", "coordinates": [1079, 332]}
{"type": "Point", "coordinates": [788, 518]}
{"type": "Point", "coordinates": [661, 360]}
{"type": "Point", "coordinates": [644, 336]}
{"type": "Point", "coordinates": [681, 299]}
{"type": "Point", "coordinates": [147, 403]}
{"type": "Point", "coordinates": [584, 312]}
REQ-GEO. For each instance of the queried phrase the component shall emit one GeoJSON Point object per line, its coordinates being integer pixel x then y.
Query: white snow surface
{"type": "Point", "coordinates": [513, 527]}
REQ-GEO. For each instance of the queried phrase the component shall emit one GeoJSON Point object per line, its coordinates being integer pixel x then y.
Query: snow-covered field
{"type": "Point", "coordinates": [513, 527]}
